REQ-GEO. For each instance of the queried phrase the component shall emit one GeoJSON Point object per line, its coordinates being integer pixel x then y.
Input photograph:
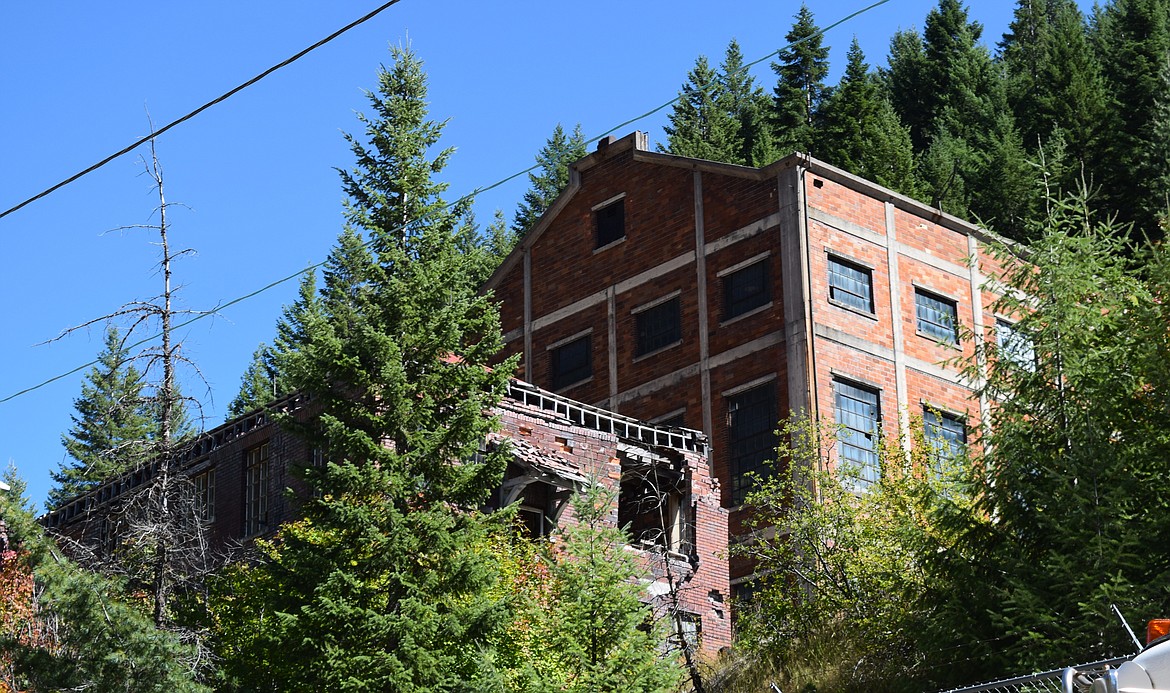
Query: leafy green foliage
{"type": "Point", "coordinates": [842, 602]}
{"type": "Point", "coordinates": [595, 633]}
{"type": "Point", "coordinates": [112, 427]}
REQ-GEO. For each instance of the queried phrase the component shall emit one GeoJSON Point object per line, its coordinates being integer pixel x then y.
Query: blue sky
{"type": "Point", "coordinates": [257, 171]}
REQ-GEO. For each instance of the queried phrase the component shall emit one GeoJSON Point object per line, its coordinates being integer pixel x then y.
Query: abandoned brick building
{"type": "Point", "coordinates": [723, 298]}
{"type": "Point", "coordinates": [242, 477]}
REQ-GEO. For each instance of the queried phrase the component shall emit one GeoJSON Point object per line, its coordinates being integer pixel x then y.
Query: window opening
{"type": "Point", "coordinates": [751, 418]}
{"type": "Point", "coordinates": [652, 507]}
{"type": "Point", "coordinates": [658, 327]}
{"type": "Point", "coordinates": [850, 285]}
{"type": "Point", "coordinates": [256, 494]}
{"type": "Point", "coordinates": [937, 317]}
{"type": "Point", "coordinates": [610, 221]}
{"type": "Point", "coordinates": [746, 289]}
{"type": "Point", "coordinates": [857, 412]}
{"type": "Point", "coordinates": [571, 363]}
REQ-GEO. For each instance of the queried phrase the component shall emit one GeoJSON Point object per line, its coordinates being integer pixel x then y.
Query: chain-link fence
{"type": "Point", "coordinates": [1043, 682]}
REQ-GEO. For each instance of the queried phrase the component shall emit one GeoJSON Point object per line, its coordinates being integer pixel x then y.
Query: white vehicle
{"type": "Point", "coordinates": [1147, 672]}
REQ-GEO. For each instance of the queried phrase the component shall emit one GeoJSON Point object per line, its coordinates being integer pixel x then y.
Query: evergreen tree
{"type": "Point", "coordinates": [701, 124]}
{"type": "Point", "coordinates": [861, 133]}
{"type": "Point", "coordinates": [550, 180]}
{"type": "Point", "coordinates": [382, 585]}
{"type": "Point", "coordinates": [258, 385]}
{"type": "Point", "coordinates": [1076, 471]}
{"type": "Point", "coordinates": [750, 108]}
{"type": "Point", "coordinates": [800, 85]}
{"type": "Point", "coordinates": [592, 624]}
{"type": "Point", "coordinates": [1134, 40]}
{"type": "Point", "coordinates": [65, 628]}
{"type": "Point", "coordinates": [112, 427]}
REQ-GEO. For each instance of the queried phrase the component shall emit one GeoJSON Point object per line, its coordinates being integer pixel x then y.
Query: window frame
{"type": "Point", "coordinates": [204, 483]}
{"type": "Point", "coordinates": [943, 449]}
{"type": "Point", "coordinates": [257, 482]}
{"type": "Point", "coordinates": [609, 222]}
{"type": "Point", "coordinates": [862, 304]}
{"type": "Point", "coordinates": [757, 454]}
{"type": "Point", "coordinates": [735, 308]}
{"type": "Point", "coordinates": [864, 465]}
{"type": "Point", "coordinates": [668, 309]}
{"type": "Point", "coordinates": [939, 332]}
{"type": "Point", "coordinates": [1023, 350]}
{"type": "Point", "coordinates": [557, 376]}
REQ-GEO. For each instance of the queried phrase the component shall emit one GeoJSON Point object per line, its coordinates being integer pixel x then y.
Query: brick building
{"type": "Point", "coordinates": [242, 474]}
{"type": "Point", "coordinates": [723, 298]}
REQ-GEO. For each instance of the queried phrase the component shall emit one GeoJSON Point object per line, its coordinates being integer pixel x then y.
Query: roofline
{"type": "Point", "coordinates": [639, 143]}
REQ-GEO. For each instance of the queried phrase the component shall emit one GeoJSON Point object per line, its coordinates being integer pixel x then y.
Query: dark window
{"type": "Point", "coordinates": [857, 413]}
{"type": "Point", "coordinates": [850, 285]}
{"type": "Point", "coordinates": [751, 419]}
{"type": "Point", "coordinates": [746, 289]}
{"type": "Point", "coordinates": [256, 490]}
{"type": "Point", "coordinates": [658, 327]}
{"type": "Point", "coordinates": [611, 223]}
{"type": "Point", "coordinates": [946, 437]}
{"type": "Point", "coordinates": [205, 495]}
{"type": "Point", "coordinates": [937, 317]}
{"type": "Point", "coordinates": [685, 630]}
{"type": "Point", "coordinates": [571, 363]}
{"type": "Point", "coordinates": [677, 420]}
{"type": "Point", "coordinates": [1015, 346]}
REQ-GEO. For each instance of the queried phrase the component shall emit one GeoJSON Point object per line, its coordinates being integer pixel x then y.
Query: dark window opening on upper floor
{"type": "Point", "coordinates": [571, 363]}
{"type": "Point", "coordinates": [746, 289]}
{"type": "Point", "coordinates": [658, 327]}
{"type": "Point", "coordinates": [850, 285]}
{"type": "Point", "coordinates": [610, 223]}
{"type": "Point", "coordinates": [256, 481]}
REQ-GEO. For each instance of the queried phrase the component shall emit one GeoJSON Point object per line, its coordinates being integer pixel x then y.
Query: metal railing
{"type": "Point", "coordinates": [1041, 682]}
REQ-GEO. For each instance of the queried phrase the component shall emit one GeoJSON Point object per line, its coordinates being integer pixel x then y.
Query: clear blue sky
{"type": "Point", "coordinates": [257, 172]}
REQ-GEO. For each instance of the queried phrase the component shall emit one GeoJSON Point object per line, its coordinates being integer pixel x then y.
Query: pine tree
{"type": "Point", "coordinates": [701, 124]}
{"type": "Point", "coordinates": [750, 108]}
{"type": "Point", "coordinates": [861, 133]}
{"type": "Point", "coordinates": [593, 624]}
{"type": "Point", "coordinates": [382, 585]}
{"type": "Point", "coordinates": [800, 87]}
{"type": "Point", "coordinates": [551, 179]}
{"type": "Point", "coordinates": [112, 427]}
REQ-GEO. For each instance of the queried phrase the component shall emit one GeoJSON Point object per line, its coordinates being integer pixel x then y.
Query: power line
{"type": "Point", "coordinates": [199, 110]}
{"type": "Point", "coordinates": [403, 227]}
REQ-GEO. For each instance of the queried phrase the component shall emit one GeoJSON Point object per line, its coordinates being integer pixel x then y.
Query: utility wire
{"type": "Point", "coordinates": [199, 110]}
{"type": "Point", "coordinates": [469, 196]}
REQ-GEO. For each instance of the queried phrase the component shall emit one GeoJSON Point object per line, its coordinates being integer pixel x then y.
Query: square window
{"type": "Point", "coordinates": [1015, 346]}
{"type": "Point", "coordinates": [652, 507]}
{"type": "Point", "coordinates": [938, 318]}
{"type": "Point", "coordinates": [571, 363]}
{"type": "Point", "coordinates": [946, 437]}
{"type": "Point", "coordinates": [746, 289]}
{"type": "Point", "coordinates": [256, 490]}
{"type": "Point", "coordinates": [858, 414]}
{"type": "Point", "coordinates": [658, 327]}
{"type": "Point", "coordinates": [751, 431]}
{"type": "Point", "coordinates": [850, 285]}
{"type": "Point", "coordinates": [610, 223]}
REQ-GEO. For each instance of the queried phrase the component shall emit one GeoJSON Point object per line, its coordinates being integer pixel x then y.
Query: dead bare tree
{"type": "Point", "coordinates": [156, 535]}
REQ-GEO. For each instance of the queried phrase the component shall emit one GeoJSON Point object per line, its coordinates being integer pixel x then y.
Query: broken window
{"type": "Point", "coordinates": [652, 506]}
{"type": "Point", "coordinates": [256, 490]}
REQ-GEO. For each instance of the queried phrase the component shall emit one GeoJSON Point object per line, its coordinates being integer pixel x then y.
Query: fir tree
{"type": "Point", "coordinates": [258, 385]}
{"type": "Point", "coordinates": [593, 624]}
{"type": "Point", "coordinates": [701, 124]}
{"type": "Point", "coordinates": [112, 427]}
{"type": "Point", "coordinates": [749, 107]}
{"type": "Point", "coordinates": [861, 133]}
{"type": "Point", "coordinates": [1134, 40]}
{"type": "Point", "coordinates": [800, 87]}
{"type": "Point", "coordinates": [381, 586]}
{"type": "Point", "coordinates": [550, 180]}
